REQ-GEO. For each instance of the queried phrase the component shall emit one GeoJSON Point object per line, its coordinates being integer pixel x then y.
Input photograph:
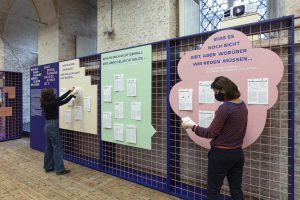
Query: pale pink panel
{"type": "Point", "coordinates": [257, 63]}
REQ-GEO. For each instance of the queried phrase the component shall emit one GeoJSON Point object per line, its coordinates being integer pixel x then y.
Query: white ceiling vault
{"type": "Point", "coordinates": [38, 11]}
{"type": "Point", "coordinates": [45, 10]}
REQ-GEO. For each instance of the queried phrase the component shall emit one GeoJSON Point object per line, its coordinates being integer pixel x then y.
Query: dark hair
{"type": "Point", "coordinates": [229, 87]}
{"type": "Point", "coordinates": [47, 95]}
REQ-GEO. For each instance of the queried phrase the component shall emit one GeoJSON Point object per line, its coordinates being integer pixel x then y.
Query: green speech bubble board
{"type": "Point", "coordinates": [121, 71]}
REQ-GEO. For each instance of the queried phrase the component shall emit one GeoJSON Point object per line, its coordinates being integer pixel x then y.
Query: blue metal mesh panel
{"type": "Point", "coordinates": [11, 127]}
{"type": "Point", "coordinates": [147, 167]}
{"type": "Point", "coordinates": [79, 147]}
{"type": "Point", "coordinates": [268, 171]}
{"type": "Point", "coordinates": [211, 12]}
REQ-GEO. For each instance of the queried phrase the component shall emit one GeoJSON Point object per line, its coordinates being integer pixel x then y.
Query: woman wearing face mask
{"type": "Point", "coordinates": [227, 131]}
{"type": "Point", "coordinates": [53, 159]}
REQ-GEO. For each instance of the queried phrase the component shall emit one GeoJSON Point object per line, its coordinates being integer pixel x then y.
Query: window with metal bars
{"type": "Point", "coordinates": [211, 11]}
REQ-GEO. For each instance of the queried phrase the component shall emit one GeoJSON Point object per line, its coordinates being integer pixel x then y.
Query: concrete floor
{"type": "Point", "coordinates": [22, 177]}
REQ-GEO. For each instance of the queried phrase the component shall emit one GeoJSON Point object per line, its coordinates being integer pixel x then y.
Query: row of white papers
{"type": "Point", "coordinates": [86, 100]}
{"type": "Point", "coordinates": [119, 86]}
{"type": "Point", "coordinates": [130, 133]}
{"type": "Point", "coordinates": [77, 114]}
{"type": "Point", "coordinates": [86, 103]}
{"type": "Point", "coordinates": [136, 110]}
{"type": "Point", "coordinates": [136, 113]}
{"type": "Point", "coordinates": [257, 93]}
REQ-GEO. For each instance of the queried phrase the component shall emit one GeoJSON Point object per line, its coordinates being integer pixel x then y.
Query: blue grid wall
{"type": "Point", "coordinates": [11, 127]}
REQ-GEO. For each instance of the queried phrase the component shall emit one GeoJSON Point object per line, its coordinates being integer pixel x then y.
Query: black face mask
{"type": "Point", "coordinates": [220, 96]}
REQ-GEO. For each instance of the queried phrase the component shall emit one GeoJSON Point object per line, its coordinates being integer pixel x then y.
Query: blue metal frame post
{"type": "Point", "coordinates": [291, 149]}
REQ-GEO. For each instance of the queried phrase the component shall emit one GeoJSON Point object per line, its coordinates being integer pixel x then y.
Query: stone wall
{"type": "Point", "coordinates": [48, 42]}
{"type": "Point", "coordinates": [20, 45]}
{"type": "Point", "coordinates": [135, 22]}
{"type": "Point", "coordinates": [76, 18]}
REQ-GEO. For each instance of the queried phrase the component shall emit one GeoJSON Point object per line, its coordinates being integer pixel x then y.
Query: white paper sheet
{"type": "Point", "coordinates": [87, 104]}
{"type": "Point", "coordinates": [119, 132]}
{"type": "Point", "coordinates": [131, 134]}
{"type": "Point", "coordinates": [185, 99]}
{"type": "Point", "coordinates": [118, 82]}
{"type": "Point", "coordinates": [258, 91]}
{"type": "Point", "coordinates": [205, 118]}
{"type": "Point", "coordinates": [206, 94]}
{"type": "Point", "coordinates": [136, 110]}
{"type": "Point", "coordinates": [119, 109]}
{"type": "Point", "coordinates": [106, 118]}
{"type": "Point", "coordinates": [68, 116]}
{"type": "Point", "coordinates": [131, 87]}
{"type": "Point", "coordinates": [188, 120]}
{"type": "Point", "coordinates": [62, 91]}
{"type": "Point", "coordinates": [107, 93]}
{"type": "Point", "coordinates": [78, 113]}
{"type": "Point", "coordinates": [71, 102]}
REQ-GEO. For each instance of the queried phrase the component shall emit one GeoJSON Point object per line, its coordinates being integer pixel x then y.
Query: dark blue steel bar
{"type": "Point", "coordinates": [168, 117]}
{"type": "Point", "coordinates": [99, 117]}
{"type": "Point", "coordinates": [291, 77]}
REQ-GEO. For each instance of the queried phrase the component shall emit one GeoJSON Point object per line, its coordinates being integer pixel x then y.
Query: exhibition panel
{"type": "Point", "coordinates": [40, 77]}
{"type": "Point", "coordinates": [144, 160]}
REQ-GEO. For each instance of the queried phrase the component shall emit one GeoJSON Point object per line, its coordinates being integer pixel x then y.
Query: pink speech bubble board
{"type": "Point", "coordinates": [228, 53]}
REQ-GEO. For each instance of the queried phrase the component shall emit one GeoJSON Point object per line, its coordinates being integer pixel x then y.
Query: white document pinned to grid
{"type": "Point", "coordinates": [131, 87]}
{"type": "Point", "coordinates": [78, 113]}
{"type": "Point", "coordinates": [118, 132]}
{"type": "Point", "coordinates": [106, 119]}
{"type": "Point", "coordinates": [185, 99]}
{"type": "Point", "coordinates": [119, 110]}
{"type": "Point", "coordinates": [107, 93]}
{"type": "Point", "coordinates": [62, 91]}
{"type": "Point", "coordinates": [87, 104]}
{"type": "Point", "coordinates": [131, 134]}
{"type": "Point", "coordinates": [205, 118]}
{"type": "Point", "coordinates": [136, 110]}
{"type": "Point", "coordinates": [258, 91]}
{"type": "Point", "coordinates": [68, 116]}
{"type": "Point", "coordinates": [118, 82]}
{"type": "Point", "coordinates": [206, 94]}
